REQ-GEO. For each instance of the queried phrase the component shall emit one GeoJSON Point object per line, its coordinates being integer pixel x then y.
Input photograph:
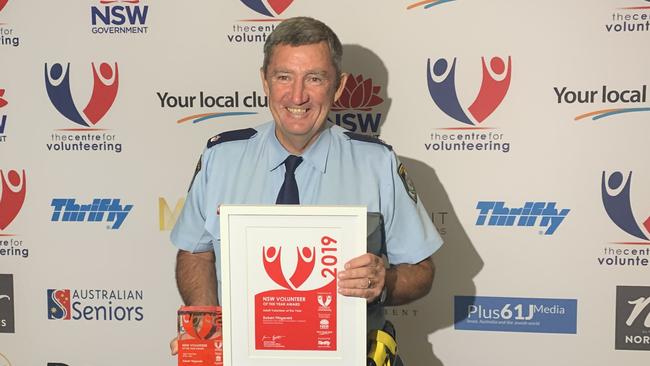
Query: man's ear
{"type": "Point", "coordinates": [341, 86]}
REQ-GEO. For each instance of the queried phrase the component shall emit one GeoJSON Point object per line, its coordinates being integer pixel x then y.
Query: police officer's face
{"type": "Point", "coordinates": [300, 82]}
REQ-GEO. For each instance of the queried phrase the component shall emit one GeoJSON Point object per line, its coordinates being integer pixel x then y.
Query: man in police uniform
{"type": "Point", "coordinates": [327, 165]}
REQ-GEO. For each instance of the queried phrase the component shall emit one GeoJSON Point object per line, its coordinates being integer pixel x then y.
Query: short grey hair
{"type": "Point", "coordinates": [301, 31]}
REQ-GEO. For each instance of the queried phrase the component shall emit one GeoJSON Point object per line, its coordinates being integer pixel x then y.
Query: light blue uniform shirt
{"type": "Point", "coordinates": [336, 170]}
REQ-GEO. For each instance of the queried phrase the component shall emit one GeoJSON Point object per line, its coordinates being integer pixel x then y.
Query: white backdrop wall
{"type": "Point", "coordinates": [559, 119]}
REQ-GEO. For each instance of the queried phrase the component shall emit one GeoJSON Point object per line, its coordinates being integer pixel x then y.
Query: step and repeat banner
{"type": "Point", "coordinates": [525, 128]}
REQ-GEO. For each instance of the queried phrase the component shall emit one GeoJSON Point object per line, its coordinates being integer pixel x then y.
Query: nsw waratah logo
{"type": "Point", "coordinates": [270, 8]}
{"type": "Point", "coordinates": [617, 199]}
{"type": "Point", "coordinates": [12, 196]}
{"type": "Point", "coordinates": [353, 110]}
{"type": "Point", "coordinates": [441, 79]}
{"type": "Point", "coordinates": [104, 92]}
{"type": "Point", "coordinates": [304, 266]}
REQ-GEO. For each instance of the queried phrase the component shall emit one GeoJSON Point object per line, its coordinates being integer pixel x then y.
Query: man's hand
{"type": "Point", "coordinates": [364, 276]}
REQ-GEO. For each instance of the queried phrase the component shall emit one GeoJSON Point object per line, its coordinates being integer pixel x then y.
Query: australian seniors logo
{"type": "Point", "coordinates": [443, 82]}
{"type": "Point", "coordinates": [354, 109]}
{"type": "Point", "coordinates": [85, 136]}
{"type": "Point", "coordinates": [118, 305]}
{"type": "Point", "coordinates": [256, 30]}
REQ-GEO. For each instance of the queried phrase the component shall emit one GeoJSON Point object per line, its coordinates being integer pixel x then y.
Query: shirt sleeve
{"type": "Point", "coordinates": [410, 234]}
{"type": "Point", "coordinates": [189, 232]}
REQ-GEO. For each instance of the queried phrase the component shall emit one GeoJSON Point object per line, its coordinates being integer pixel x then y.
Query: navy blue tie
{"type": "Point", "coordinates": [289, 191]}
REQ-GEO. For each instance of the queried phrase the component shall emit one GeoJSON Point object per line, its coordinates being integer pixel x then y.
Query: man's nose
{"type": "Point", "coordinates": [298, 93]}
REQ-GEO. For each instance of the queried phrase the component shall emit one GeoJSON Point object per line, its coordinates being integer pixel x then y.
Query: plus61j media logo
{"type": "Point", "coordinates": [449, 86]}
{"type": "Point", "coordinates": [514, 314]}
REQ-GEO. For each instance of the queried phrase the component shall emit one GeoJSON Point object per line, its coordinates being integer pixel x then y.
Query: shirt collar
{"type": "Point", "coordinates": [316, 154]}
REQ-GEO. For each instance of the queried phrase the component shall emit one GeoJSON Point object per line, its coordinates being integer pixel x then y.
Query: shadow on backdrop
{"type": "Point", "coordinates": [457, 263]}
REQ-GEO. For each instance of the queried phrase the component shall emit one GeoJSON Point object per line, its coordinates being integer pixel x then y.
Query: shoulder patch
{"type": "Point", "coordinates": [366, 138]}
{"type": "Point", "coordinates": [234, 135]}
{"type": "Point", "coordinates": [408, 183]}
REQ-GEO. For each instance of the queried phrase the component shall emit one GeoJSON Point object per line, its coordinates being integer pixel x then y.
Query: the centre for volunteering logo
{"type": "Point", "coordinates": [355, 109]}
{"type": "Point", "coordinates": [8, 36]}
{"type": "Point", "coordinates": [616, 195]}
{"type": "Point", "coordinates": [3, 116]}
{"type": "Point", "coordinates": [12, 196]}
{"type": "Point", "coordinates": [118, 305]}
{"type": "Point", "coordinates": [630, 17]}
{"type": "Point", "coordinates": [234, 103]}
{"type": "Point", "coordinates": [607, 96]}
{"type": "Point", "coordinates": [469, 134]}
{"type": "Point", "coordinates": [119, 17]}
{"type": "Point", "coordinates": [256, 30]}
{"type": "Point", "coordinates": [85, 136]}
{"type": "Point", "coordinates": [166, 217]}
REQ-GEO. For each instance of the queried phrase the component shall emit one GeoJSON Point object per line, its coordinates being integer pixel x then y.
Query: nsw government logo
{"type": "Point", "coordinates": [515, 314]}
{"type": "Point", "coordinates": [633, 318]}
{"type": "Point", "coordinates": [235, 103]}
{"type": "Point", "coordinates": [84, 136]}
{"type": "Point", "coordinates": [119, 17]}
{"type": "Point", "coordinates": [8, 36]}
{"type": "Point", "coordinates": [544, 215]}
{"type": "Point", "coordinates": [256, 30]}
{"type": "Point", "coordinates": [3, 116]}
{"type": "Point", "coordinates": [13, 188]}
{"type": "Point", "coordinates": [617, 198]}
{"type": "Point", "coordinates": [634, 17]}
{"type": "Point", "coordinates": [469, 134]}
{"type": "Point", "coordinates": [108, 210]}
{"type": "Point", "coordinates": [355, 109]}
{"type": "Point", "coordinates": [116, 305]}
{"type": "Point", "coordinates": [7, 303]}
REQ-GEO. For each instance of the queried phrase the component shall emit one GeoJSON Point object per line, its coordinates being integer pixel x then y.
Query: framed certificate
{"type": "Point", "coordinates": [279, 268]}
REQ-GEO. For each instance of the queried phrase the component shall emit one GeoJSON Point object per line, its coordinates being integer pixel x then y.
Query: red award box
{"type": "Point", "coordinates": [199, 336]}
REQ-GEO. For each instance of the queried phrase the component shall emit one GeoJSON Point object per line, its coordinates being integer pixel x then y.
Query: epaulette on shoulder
{"type": "Point", "coordinates": [366, 138]}
{"type": "Point", "coordinates": [234, 135]}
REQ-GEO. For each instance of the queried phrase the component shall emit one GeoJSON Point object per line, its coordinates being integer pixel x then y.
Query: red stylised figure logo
{"type": "Point", "coordinates": [3, 3]}
{"type": "Point", "coordinates": [304, 266]}
{"type": "Point", "coordinates": [358, 94]}
{"type": "Point", "coordinates": [3, 102]}
{"type": "Point", "coordinates": [12, 196]}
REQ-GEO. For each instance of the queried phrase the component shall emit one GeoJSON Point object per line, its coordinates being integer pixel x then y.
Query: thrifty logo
{"type": "Point", "coordinates": [495, 213]}
{"type": "Point", "coordinates": [101, 209]}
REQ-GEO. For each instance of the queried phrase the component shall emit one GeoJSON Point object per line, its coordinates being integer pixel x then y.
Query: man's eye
{"type": "Point", "coordinates": [282, 77]}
